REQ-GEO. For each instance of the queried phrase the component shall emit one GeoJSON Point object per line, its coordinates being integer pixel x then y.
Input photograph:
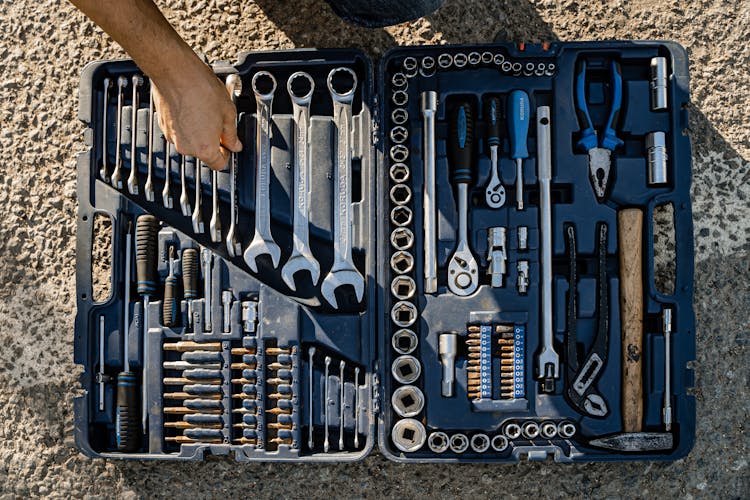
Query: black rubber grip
{"type": "Point", "coordinates": [146, 232]}
{"type": "Point", "coordinates": [190, 273]}
{"type": "Point", "coordinates": [169, 309]}
{"type": "Point", "coordinates": [128, 425]}
{"type": "Point", "coordinates": [461, 143]}
{"type": "Point", "coordinates": [493, 117]}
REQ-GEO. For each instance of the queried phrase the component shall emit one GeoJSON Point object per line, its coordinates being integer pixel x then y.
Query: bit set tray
{"type": "Point", "coordinates": [452, 256]}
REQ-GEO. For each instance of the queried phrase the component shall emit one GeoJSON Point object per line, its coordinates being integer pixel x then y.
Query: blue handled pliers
{"type": "Point", "coordinates": [599, 150]}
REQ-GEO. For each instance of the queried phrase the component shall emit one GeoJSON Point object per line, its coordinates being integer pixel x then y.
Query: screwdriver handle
{"type": "Point", "coordinates": [169, 309]}
{"type": "Point", "coordinates": [146, 229]}
{"type": "Point", "coordinates": [128, 425]}
{"type": "Point", "coordinates": [519, 111]}
{"type": "Point", "coordinates": [493, 115]}
{"type": "Point", "coordinates": [190, 273]}
{"type": "Point", "coordinates": [461, 143]}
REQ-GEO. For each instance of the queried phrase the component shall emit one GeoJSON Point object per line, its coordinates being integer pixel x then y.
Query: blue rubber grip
{"type": "Point", "coordinates": [588, 134]}
{"type": "Point", "coordinates": [610, 140]}
{"type": "Point", "coordinates": [519, 110]}
{"type": "Point", "coordinates": [493, 115]}
{"type": "Point", "coordinates": [461, 143]}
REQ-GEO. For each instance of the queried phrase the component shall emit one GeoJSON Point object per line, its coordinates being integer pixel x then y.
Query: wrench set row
{"type": "Point", "coordinates": [451, 255]}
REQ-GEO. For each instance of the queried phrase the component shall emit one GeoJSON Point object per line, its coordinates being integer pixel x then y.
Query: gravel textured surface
{"type": "Point", "coordinates": [43, 48]}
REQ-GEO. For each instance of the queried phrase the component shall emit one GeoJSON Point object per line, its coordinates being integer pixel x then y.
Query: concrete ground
{"type": "Point", "coordinates": [45, 44]}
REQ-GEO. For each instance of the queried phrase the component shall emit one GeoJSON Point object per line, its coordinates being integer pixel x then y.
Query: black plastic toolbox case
{"type": "Point", "coordinates": [356, 340]}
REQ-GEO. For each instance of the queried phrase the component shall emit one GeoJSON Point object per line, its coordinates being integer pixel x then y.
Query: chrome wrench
{"type": "Point", "coordinates": [184, 198]}
{"type": "Point", "coordinates": [343, 272]}
{"type": "Point", "coordinates": [133, 177]}
{"type": "Point", "coordinates": [262, 242]}
{"type": "Point", "coordinates": [104, 171]}
{"type": "Point", "coordinates": [301, 258]}
{"type": "Point", "coordinates": [234, 87]}
{"type": "Point", "coordinates": [214, 226]}
{"type": "Point", "coordinates": [166, 195]}
{"type": "Point", "coordinates": [198, 226]}
{"type": "Point", "coordinates": [149, 187]}
{"type": "Point", "coordinates": [116, 178]}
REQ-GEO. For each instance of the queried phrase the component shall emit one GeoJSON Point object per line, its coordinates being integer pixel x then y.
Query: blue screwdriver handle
{"type": "Point", "coordinates": [588, 133]}
{"type": "Point", "coordinates": [610, 140]}
{"type": "Point", "coordinates": [519, 111]}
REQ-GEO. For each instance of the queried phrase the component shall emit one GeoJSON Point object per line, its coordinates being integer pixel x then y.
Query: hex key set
{"type": "Point", "coordinates": [451, 256]}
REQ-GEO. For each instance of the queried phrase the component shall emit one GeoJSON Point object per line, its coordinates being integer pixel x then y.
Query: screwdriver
{"type": "Point", "coordinates": [127, 435]}
{"type": "Point", "coordinates": [190, 279]}
{"type": "Point", "coordinates": [518, 133]}
{"type": "Point", "coordinates": [169, 309]}
{"type": "Point", "coordinates": [146, 228]}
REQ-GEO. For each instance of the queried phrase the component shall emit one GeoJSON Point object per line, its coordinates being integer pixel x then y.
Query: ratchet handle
{"type": "Point", "coordinates": [493, 115]}
{"type": "Point", "coordinates": [461, 143]}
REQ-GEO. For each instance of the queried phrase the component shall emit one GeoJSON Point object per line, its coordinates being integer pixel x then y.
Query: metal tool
{"type": "Point", "coordinates": [104, 169]}
{"type": "Point", "coordinates": [198, 226]}
{"type": "Point", "coordinates": [342, 403]}
{"type": "Point", "coordinates": [190, 272]}
{"type": "Point", "coordinates": [399, 173]}
{"type": "Point", "coordinates": [404, 341]}
{"type": "Point", "coordinates": [519, 117]}
{"type": "Point", "coordinates": [101, 376]}
{"type": "Point", "coordinates": [207, 258]}
{"type": "Point", "coordinates": [463, 275]}
{"type": "Point", "coordinates": [301, 258]}
{"type": "Point", "coordinates": [116, 178]}
{"type": "Point", "coordinates": [249, 315]}
{"type": "Point", "coordinates": [493, 115]}
{"type": "Point", "coordinates": [548, 430]}
{"type": "Point", "coordinates": [408, 435]}
{"type": "Point", "coordinates": [127, 435]}
{"type": "Point", "coordinates": [402, 238]}
{"type": "Point", "coordinates": [438, 442]}
{"type": "Point", "coordinates": [407, 401]}
{"type": "Point", "coordinates": [184, 198]}
{"type": "Point", "coordinates": [262, 242]}
{"type": "Point", "coordinates": [400, 194]}
{"type": "Point", "coordinates": [356, 407]}
{"type": "Point", "coordinates": [226, 305]}
{"type": "Point", "coordinates": [326, 404]}
{"type": "Point", "coordinates": [447, 349]}
{"type": "Point", "coordinates": [169, 306]}
{"type": "Point", "coordinates": [399, 116]}
{"type": "Point", "coordinates": [401, 216]}
{"type": "Point", "coordinates": [656, 148]}
{"type": "Point", "coordinates": [499, 443]}
{"type": "Point", "coordinates": [599, 150]}
{"type": "Point", "coordinates": [166, 195]}
{"type": "Point", "coordinates": [497, 255]}
{"type": "Point", "coordinates": [582, 377]}
{"type": "Point", "coordinates": [667, 409]}
{"type": "Point", "coordinates": [459, 443]}
{"type": "Point", "coordinates": [658, 84]}
{"type": "Point", "coordinates": [343, 272]}
{"type": "Point", "coordinates": [214, 225]}
{"type": "Point", "coordinates": [530, 430]}
{"type": "Point", "coordinates": [404, 314]}
{"type": "Point", "coordinates": [311, 382]}
{"type": "Point", "coordinates": [148, 188]}
{"type": "Point", "coordinates": [429, 111]}
{"type": "Point", "coordinates": [133, 178]}
{"type": "Point", "coordinates": [523, 238]}
{"type": "Point", "coordinates": [480, 443]}
{"type": "Point", "coordinates": [547, 360]}
{"type": "Point", "coordinates": [522, 280]}
{"type": "Point", "coordinates": [630, 249]}
{"type": "Point", "coordinates": [512, 431]}
{"type": "Point", "coordinates": [146, 229]}
{"type": "Point", "coordinates": [403, 287]}
{"type": "Point", "coordinates": [234, 87]}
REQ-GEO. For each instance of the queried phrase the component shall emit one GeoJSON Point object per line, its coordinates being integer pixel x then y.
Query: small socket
{"type": "Point", "coordinates": [407, 401]}
{"type": "Point", "coordinates": [404, 314]}
{"type": "Point", "coordinates": [548, 430]}
{"type": "Point", "coordinates": [566, 429]}
{"type": "Point", "coordinates": [507, 66]}
{"type": "Point", "coordinates": [409, 64]}
{"type": "Point", "coordinates": [404, 341]}
{"type": "Point", "coordinates": [408, 435]}
{"type": "Point", "coordinates": [438, 442]}
{"type": "Point", "coordinates": [406, 369]}
{"type": "Point", "coordinates": [399, 134]}
{"type": "Point", "coordinates": [399, 153]}
{"type": "Point", "coordinates": [487, 57]}
{"type": "Point", "coordinates": [400, 98]}
{"type": "Point", "coordinates": [523, 238]}
{"type": "Point", "coordinates": [399, 173]}
{"type": "Point", "coordinates": [401, 216]}
{"type": "Point", "coordinates": [540, 69]}
{"type": "Point", "coordinates": [658, 84]}
{"type": "Point", "coordinates": [499, 59]}
{"type": "Point", "coordinates": [474, 58]}
{"type": "Point", "coordinates": [399, 116]}
{"type": "Point", "coordinates": [428, 63]}
{"type": "Point", "coordinates": [656, 147]}
{"type": "Point", "coordinates": [512, 431]}
{"type": "Point", "coordinates": [399, 81]}
{"type": "Point", "coordinates": [530, 430]}
{"type": "Point", "coordinates": [403, 287]}
{"type": "Point", "coordinates": [517, 67]}
{"type": "Point", "coordinates": [402, 262]}
{"type": "Point", "coordinates": [550, 71]}
{"type": "Point", "coordinates": [402, 238]}
{"type": "Point", "coordinates": [480, 443]}
{"type": "Point", "coordinates": [499, 443]}
{"type": "Point", "coordinates": [459, 60]}
{"type": "Point", "coordinates": [445, 60]}
{"type": "Point", "coordinates": [522, 283]}
{"type": "Point", "coordinates": [400, 194]}
{"type": "Point", "coordinates": [459, 443]}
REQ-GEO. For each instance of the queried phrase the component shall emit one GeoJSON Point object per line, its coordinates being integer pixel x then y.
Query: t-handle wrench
{"type": "Point", "coordinates": [301, 258]}
{"type": "Point", "coordinates": [116, 178]}
{"type": "Point", "coordinates": [343, 272]}
{"type": "Point", "coordinates": [547, 361]}
{"type": "Point", "coordinates": [133, 177]}
{"type": "Point", "coordinates": [262, 242]}
{"type": "Point", "coordinates": [234, 87]}
{"type": "Point", "coordinates": [104, 170]}
{"type": "Point", "coordinates": [463, 276]}
{"type": "Point", "coordinates": [493, 115]}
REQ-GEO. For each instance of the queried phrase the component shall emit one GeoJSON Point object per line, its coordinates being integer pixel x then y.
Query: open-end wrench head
{"type": "Point", "coordinates": [463, 273]}
{"type": "Point", "coordinates": [348, 95]}
{"type": "Point", "coordinates": [263, 96]}
{"type": "Point", "coordinates": [495, 195]}
{"type": "Point", "coordinates": [260, 246]}
{"type": "Point", "coordinates": [300, 262]}
{"type": "Point", "coordinates": [341, 277]}
{"type": "Point", "coordinates": [297, 99]}
{"type": "Point", "coordinates": [546, 359]}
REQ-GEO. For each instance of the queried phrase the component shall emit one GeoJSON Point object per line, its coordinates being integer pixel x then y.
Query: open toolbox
{"type": "Point", "coordinates": [452, 256]}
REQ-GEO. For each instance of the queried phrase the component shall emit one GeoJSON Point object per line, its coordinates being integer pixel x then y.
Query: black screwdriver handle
{"type": "Point", "coordinates": [493, 115]}
{"type": "Point", "coordinates": [461, 143]}
{"type": "Point", "coordinates": [146, 232]}
{"type": "Point", "coordinates": [128, 427]}
{"type": "Point", "coordinates": [190, 273]}
{"type": "Point", "coordinates": [169, 308]}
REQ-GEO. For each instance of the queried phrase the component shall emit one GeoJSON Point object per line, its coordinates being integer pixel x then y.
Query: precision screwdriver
{"type": "Point", "coordinates": [169, 308]}
{"type": "Point", "coordinates": [146, 229]}
{"type": "Point", "coordinates": [518, 133]}
{"type": "Point", "coordinates": [190, 280]}
{"type": "Point", "coordinates": [127, 435]}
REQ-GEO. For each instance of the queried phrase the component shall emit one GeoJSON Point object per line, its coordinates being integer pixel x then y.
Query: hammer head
{"type": "Point", "coordinates": [635, 441]}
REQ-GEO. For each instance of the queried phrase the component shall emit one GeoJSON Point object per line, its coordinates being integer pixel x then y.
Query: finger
{"type": "Point", "coordinates": [217, 160]}
{"type": "Point", "coordinates": [229, 137]}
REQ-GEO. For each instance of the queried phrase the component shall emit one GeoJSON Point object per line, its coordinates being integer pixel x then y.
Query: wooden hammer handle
{"type": "Point", "coordinates": [630, 243]}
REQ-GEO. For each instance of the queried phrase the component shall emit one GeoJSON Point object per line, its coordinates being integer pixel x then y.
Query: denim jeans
{"type": "Point", "coordinates": [379, 13]}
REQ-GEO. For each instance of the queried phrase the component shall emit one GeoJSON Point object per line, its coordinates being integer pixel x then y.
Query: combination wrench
{"type": "Point", "coordinates": [184, 198]}
{"type": "Point", "coordinates": [116, 178]}
{"type": "Point", "coordinates": [148, 188]}
{"type": "Point", "coordinates": [234, 87]}
{"type": "Point", "coordinates": [198, 226]}
{"type": "Point", "coordinates": [133, 177]}
{"type": "Point", "coordinates": [166, 194]}
{"type": "Point", "coordinates": [301, 258]}
{"type": "Point", "coordinates": [214, 226]}
{"type": "Point", "coordinates": [343, 272]}
{"type": "Point", "coordinates": [104, 170]}
{"type": "Point", "coordinates": [262, 242]}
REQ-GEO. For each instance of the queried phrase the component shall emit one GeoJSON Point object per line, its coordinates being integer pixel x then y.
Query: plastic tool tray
{"type": "Point", "coordinates": [542, 335]}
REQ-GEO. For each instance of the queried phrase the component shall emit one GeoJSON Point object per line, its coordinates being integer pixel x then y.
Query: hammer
{"type": "Point", "coordinates": [632, 437]}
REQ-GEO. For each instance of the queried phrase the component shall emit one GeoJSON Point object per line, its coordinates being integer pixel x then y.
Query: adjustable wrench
{"type": "Point", "coordinates": [198, 227]}
{"type": "Point", "coordinates": [184, 198]}
{"type": "Point", "coordinates": [234, 87]}
{"type": "Point", "coordinates": [133, 178]}
{"type": "Point", "coordinates": [149, 187]}
{"type": "Point", "coordinates": [116, 178]}
{"type": "Point", "coordinates": [166, 195]}
{"type": "Point", "coordinates": [262, 242]}
{"type": "Point", "coordinates": [104, 170]}
{"type": "Point", "coordinates": [343, 271]}
{"type": "Point", "coordinates": [301, 258]}
{"type": "Point", "coordinates": [214, 226]}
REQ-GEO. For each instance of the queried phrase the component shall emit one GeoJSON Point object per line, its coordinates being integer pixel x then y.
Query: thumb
{"type": "Point", "coordinates": [229, 137]}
